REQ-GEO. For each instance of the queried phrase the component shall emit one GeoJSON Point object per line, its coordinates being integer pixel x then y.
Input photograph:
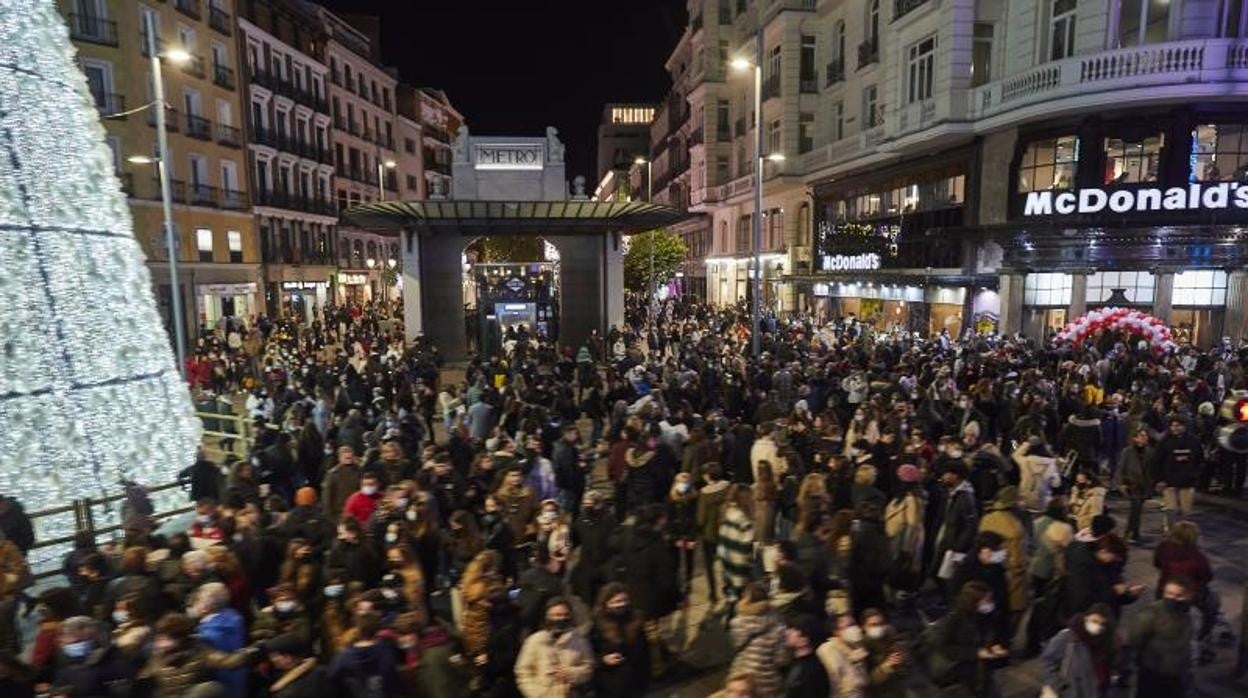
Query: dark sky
{"type": "Point", "coordinates": [513, 68]}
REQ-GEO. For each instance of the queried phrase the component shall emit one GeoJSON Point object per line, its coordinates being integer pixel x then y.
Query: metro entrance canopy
{"type": "Point", "coordinates": [586, 233]}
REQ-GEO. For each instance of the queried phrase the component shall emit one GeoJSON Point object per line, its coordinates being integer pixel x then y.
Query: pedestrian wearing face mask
{"type": "Point", "coordinates": [1003, 519]}
{"type": "Point", "coordinates": [620, 648]}
{"type": "Point", "coordinates": [682, 504]}
{"type": "Point", "coordinates": [963, 648]}
{"type": "Point", "coordinates": [556, 661]}
{"type": "Point", "coordinates": [987, 566]}
{"type": "Point", "coordinates": [1079, 661]}
{"type": "Point", "coordinates": [361, 505]}
{"type": "Point", "coordinates": [88, 665]}
{"type": "Point", "coordinates": [1160, 641]}
{"type": "Point", "coordinates": [956, 535]}
{"type": "Point", "coordinates": [758, 640]}
{"type": "Point", "coordinates": [845, 659]}
{"type": "Point", "coordinates": [286, 615]}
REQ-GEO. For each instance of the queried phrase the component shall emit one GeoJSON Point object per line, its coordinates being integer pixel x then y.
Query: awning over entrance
{"type": "Point", "coordinates": [472, 218]}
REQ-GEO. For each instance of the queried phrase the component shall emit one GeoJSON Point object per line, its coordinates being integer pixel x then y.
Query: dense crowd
{"type": "Point", "coordinates": [868, 515]}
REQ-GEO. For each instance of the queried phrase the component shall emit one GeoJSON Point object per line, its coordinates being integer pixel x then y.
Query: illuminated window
{"type": "Point", "coordinates": [1047, 288]}
{"type": "Point", "coordinates": [1199, 288]}
{"type": "Point", "coordinates": [922, 61]}
{"type": "Point", "coordinates": [1138, 286]}
{"type": "Point", "coordinates": [1049, 164]}
{"type": "Point", "coordinates": [234, 239]}
{"type": "Point", "coordinates": [1062, 30]}
{"type": "Point", "coordinates": [1143, 21]}
{"type": "Point", "coordinates": [203, 243]}
{"type": "Point", "coordinates": [1219, 153]}
{"type": "Point", "coordinates": [1132, 160]}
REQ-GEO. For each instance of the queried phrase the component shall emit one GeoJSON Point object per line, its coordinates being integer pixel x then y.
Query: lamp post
{"type": "Point", "coordinates": [382, 166]}
{"type": "Point", "coordinates": [650, 287]}
{"type": "Point", "coordinates": [162, 170]}
{"type": "Point", "coordinates": [756, 244]}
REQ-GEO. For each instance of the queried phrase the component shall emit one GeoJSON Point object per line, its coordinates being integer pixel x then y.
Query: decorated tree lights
{"type": "Point", "coordinates": [89, 390]}
{"type": "Point", "coordinates": [1126, 320]}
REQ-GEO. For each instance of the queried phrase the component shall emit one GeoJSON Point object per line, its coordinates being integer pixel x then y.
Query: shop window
{"type": "Point", "coordinates": [234, 239]}
{"type": "Point", "coordinates": [1204, 287]}
{"type": "Point", "coordinates": [1219, 153]}
{"type": "Point", "coordinates": [1049, 164]}
{"type": "Point", "coordinates": [1133, 160]}
{"type": "Point", "coordinates": [203, 243]}
{"type": "Point", "coordinates": [1138, 286]}
{"type": "Point", "coordinates": [1047, 288]}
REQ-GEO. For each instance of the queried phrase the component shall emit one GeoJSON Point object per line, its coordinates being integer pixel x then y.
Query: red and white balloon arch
{"type": "Point", "coordinates": [1133, 322]}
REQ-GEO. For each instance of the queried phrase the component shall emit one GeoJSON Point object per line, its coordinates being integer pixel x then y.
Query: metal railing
{"type": "Point", "coordinates": [198, 127]}
{"type": "Point", "coordinates": [223, 76]}
{"type": "Point", "coordinates": [219, 20]}
{"type": "Point", "coordinates": [835, 72]}
{"type": "Point", "coordinates": [223, 434]}
{"type": "Point", "coordinates": [190, 8]}
{"type": "Point", "coordinates": [229, 135]}
{"type": "Point", "coordinates": [868, 53]}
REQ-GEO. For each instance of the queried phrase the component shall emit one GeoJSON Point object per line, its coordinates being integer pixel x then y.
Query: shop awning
{"type": "Point", "coordinates": [514, 217]}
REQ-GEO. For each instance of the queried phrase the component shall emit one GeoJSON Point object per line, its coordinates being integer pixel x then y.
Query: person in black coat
{"type": "Point", "coordinates": [646, 565]}
{"type": "Point", "coordinates": [498, 674]}
{"type": "Point", "coordinates": [204, 478]}
{"type": "Point", "coordinates": [682, 509]}
{"type": "Point", "coordinates": [869, 558]}
{"type": "Point", "coordinates": [622, 655]}
{"type": "Point", "coordinates": [987, 566]}
{"type": "Point", "coordinates": [591, 533]}
{"type": "Point", "coordinates": [1094, 574]}
{"type": "Point", "coordinates": [806, 676]}
{"type": "Point", "coordinates": [961, 520]}
{"type": "Point", "coordinates": [301, 676]}
{"type": "Point", "coordinates": [87, 666]}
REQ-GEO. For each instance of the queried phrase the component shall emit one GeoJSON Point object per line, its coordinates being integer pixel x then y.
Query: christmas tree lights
{"type": "Point", "coordinates": [89, 390]}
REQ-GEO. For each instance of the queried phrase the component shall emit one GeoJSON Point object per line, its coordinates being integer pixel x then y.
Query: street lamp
{"type": "Point", "coordinates": [649, 199]}
{"type": "Point", "coordinates": [175, 55]}
{"type": "Point", "coordinates": [370, 262]}
{"type": "Point", "coordinates": [741, 64]}
{"type": "Point", "coordinates": [382, 166]}
{"type": "Point", "coordinates": [391, 262]}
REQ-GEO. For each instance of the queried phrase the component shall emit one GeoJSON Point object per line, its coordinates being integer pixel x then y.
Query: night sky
{"type": "Point", "coordinates": [514, 68]}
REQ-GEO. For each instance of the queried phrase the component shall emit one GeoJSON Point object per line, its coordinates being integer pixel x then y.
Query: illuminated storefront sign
{"type": "Point", "coordinates": [1193, 197]}
{"type": "Point", "coordinates": [868, 261]}
{"type": "Point", "coordinates": [352, 279]}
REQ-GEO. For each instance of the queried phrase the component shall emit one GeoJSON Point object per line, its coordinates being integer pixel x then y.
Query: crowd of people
{"type": "Point", "coordinates": [866, 515]}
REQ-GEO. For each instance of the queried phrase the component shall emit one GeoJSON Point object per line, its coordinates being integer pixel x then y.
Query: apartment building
{"type": "Point", "coordinates": [439, 121]}
{"type": "Point", "coordinates": [290, 161]}
{"type": "Point", "coordinates": [362, 103]}
{"type": "Point", "coordinates": [218, 254]}
{"type": "Point", "coordinates": [987, 166]}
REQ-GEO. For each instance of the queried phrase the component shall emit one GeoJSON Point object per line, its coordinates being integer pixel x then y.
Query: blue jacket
{"type": "Point", "coordinates": [225, 632]}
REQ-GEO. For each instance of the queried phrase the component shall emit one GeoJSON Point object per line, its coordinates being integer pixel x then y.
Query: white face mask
{"type": "Point", "coordinates": [1093, 627]}
{"type": "Point", "coordinates": [412, 514]}
{"type": "Point", "coordinates": [987, 607]}
{"type": "Point", "coordinates": [876, 632]}
{"type": "Point", "coordinates": [852, 634]}
{"type": "Point", "coordinates": [392, 537]}
{"type": "Point", "coordinates": [997, 557]}
{"type": "Point", "coordinates": [369, 490]}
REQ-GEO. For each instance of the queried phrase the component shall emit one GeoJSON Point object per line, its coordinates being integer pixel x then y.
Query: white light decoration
{"type": "Point", "coordinates": [89, 390]}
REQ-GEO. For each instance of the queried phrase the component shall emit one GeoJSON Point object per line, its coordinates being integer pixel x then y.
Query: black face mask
{"type": "Point", "coordinates": [1178, 605]}
{"type": "Point", "coordinates": [559, 627]}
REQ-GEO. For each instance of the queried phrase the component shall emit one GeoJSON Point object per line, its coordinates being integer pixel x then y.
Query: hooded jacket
{"type": "Point", "coordinates": [357, 669]}
{"type": "Point", "coordinates": [758, 644]}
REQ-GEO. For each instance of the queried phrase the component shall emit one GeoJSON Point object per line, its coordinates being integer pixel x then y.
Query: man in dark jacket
{"type": "Point", "coordinates": [1082, 434]}
{"type": "Point", "coordinates": [301, 676]}
{"type": "Point", "coordinates": [569, 475]}
{"type": "Point", "coordinates": [987, 566]}
{"type": "Point", "coordinates": [87, 665]}
{"type": "Point", "coordinates": [1176, 468]}
{"type": "Point", "coordinates": [1161, 639]}
{"type": "Point", "coordinates": [1135, 472]}
{"type": "Point", "coordinates": [806, 676]}
{"type": "Point", "coordinates": [647, 564]}
{"type": "Point", "coordinates": [957, 532]}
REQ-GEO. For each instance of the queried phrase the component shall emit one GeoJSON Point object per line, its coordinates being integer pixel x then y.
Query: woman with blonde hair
{"type": "Point", "coordinates": [812, 497]}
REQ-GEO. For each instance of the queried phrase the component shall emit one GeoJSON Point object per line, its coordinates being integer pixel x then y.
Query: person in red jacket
{"type": "Point", "coordinates": [1178, 556]}
{"type": "Point", "coordinates": [360, 505]}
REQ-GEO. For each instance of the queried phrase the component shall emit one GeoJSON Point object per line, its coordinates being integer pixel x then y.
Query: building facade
{"type": "Point", "coordinates": [623, 136]}
{"type": "Point", "coordinates": [362, 103]}
{"type": "Point", "coordinates": [955, 165]}
{"type": "Point", "coordinates": [289, 156]}
{"type": "Point", "coordinates": [218, 255]}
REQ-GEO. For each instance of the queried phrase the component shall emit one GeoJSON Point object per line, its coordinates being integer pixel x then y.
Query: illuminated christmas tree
{"type": "Point", "coordinates": [89, 391]}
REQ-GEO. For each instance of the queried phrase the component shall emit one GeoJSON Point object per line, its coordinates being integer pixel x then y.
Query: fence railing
{"type": "Point", "coordinates": [223, 434]}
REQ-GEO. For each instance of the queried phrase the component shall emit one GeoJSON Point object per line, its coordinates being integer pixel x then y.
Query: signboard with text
{"type": "Point", "coordinates": [508, 156]}
{"type": "Point", "coordinates": [1211, 197]}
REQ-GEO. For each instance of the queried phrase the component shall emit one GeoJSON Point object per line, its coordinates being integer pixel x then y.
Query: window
{"type": "Point", "coordinates": [807, 59]}
{"type": "Point", "coordinates": [981, 54]}
{"type": "Point", "coordinates": [100, 83]}
{"type": "Point", "coordinates": [203, 243]}
{"type": "Point", "coordinates": [722, 120]}
{"type": "Point", "coordinates": [1143, 21]}
{"type": "Point", "coordinates": [1137, 285]}
{"type": "Point", "coordinates": [805, 132]}
{"type": "Point", "coordinates": [1046, 288]}
{"type": "Point", "coordinates": [773, 137]}
{"type": "Point", "coordinates": [199, 171]}
{"type": "Point", "coordinates": [773, 64]}
{"type": "Point", "coordinates": [229, 176]}
{"type": "Point", "coordinates": [775, 229]}
{"type": "Point", "coordinates": [744, 232]}
{"type": "Point", "coordinates": [1132, 160]}
{"type": "Point", "coordinates": [409, 145]}
{"type": "Point", "coordinates": [1199, 287]}
{"type": "Point", "coordinates": [411, 183]}
{"type": "Point", "coordinates": [870, 109]}
{"type": "Point", "coordinates": [873, 23]}
{"type": "Point", "coordinates": [1062, 30]}
{"type": "Point", "coordinates": [723, 53]}
{"type": "Point", "coordinates": [1049, 164]}
{"type": "Point", "coordinates": [1231, 18]}
{"type": "Point", "coordinates": [922, 62]}
{"type": "Point", "coordinates": [838, 121]}
{"type": "Point", "coordinates": [721, 169]}
{"type": "Point", "coordinates": [234, 239]}
{"type": "Point", "coordinates": [838, 42]}
{"type": "Point", "coordinates": [1219, 153]}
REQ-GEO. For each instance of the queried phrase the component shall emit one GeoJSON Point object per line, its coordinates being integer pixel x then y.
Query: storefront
{"type": "Point", "coordinates": [303, 299]}
{"type": "Point", "coordinates": [354, 287]}
{"type": "Point", "coordinates": [1130, 211]}
{"type": "Point", "coordinates": [213, 302]}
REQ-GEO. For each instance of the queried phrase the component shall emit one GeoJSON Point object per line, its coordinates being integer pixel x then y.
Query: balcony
{"type": "Point", "coordinates": [295, 202]}
{"type": "Point", "coordinates": [198, 127]}
{"type": "Point", "coordinates": [108, 103]}
{"type": "Point", "coordinates": [771, 87]}
{"type": "Point", "coordinates": [223, 76]}
{"type": "Point", "coordinates": [695, 138]}
{"type": "Point", "coordinates": [91, 29]}
{"type": "Point", "coordinates": [172, 123]}
{"type": "Point", "coordinates": [868, 53]}
{"type": "Point", "coordinates": [230, 136]}
{"type": "Point", "coordinates": [901, 8]}
{"type": "Point", "coordinates": [835, 72]}
{"type": "Point", "coordinates": [234, 200]}
{"type": "Point", "coordinates": [219, 20]}
{"type": "Point", "coordinates": [204, 195]}
{"type": "Point", "coordinates": [808, 85]}
{"type": "Point", "coordinates": [1177, 69]}
{"type": "Point", "coordinates": [439, 167]}
{"type": "Point", "coordinates": [190, 8]}
{"type": "Point", "coordinates": [177, 190]}
{"type": "Point", "coordinates": [436, 134]}
{"type": "Point", "coordinates": [195, 66]}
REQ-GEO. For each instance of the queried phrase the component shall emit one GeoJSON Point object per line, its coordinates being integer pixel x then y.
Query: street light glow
{"type": "Point", "coordinates": [370, 262]}
{"type": "Point", "coordinates": [140, 159]}
{"type": "Point", "coordinates": [390, 164]}
{"type": "Point", "coordinates": [775, 157]}
{"type": "Point", "coordinates": [740, 63]}
{"type": "Point", "coordinates": [639, 161]}
{"type": "Point", "coordinates": [177, 55]}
